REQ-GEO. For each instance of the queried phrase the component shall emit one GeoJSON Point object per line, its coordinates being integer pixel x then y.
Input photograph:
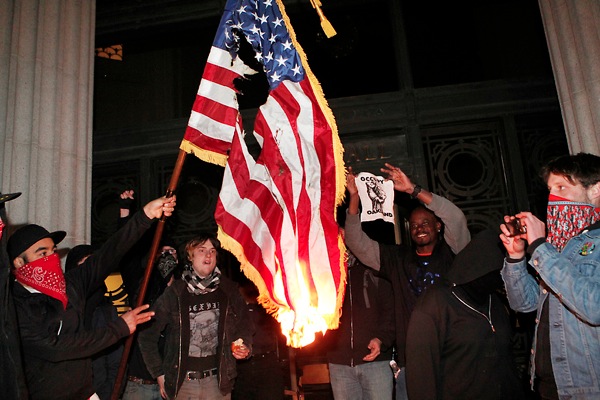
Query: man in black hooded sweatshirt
{"type": "Point", "coordinates": [56, 347]}
{"type": "Point", "coordinates": [459, 336]}
{"type": "Point", "coordinates": [12, 376]}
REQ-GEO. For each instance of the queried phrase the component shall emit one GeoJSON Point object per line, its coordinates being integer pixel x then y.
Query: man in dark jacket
{"type": "Point", "coordinates": [261, 376]}
{"type": "Point", "coordinates": [140, 384]}
{"type": "Point", "coordinates": [50, 306]}
{"type": "Point", "coordinates": [206, 326]}
{"type": "Point", "coordinates": [458, 344]}
{"type": "Point", "coordinates": [12, 377]}
{"type": "Point", "coordinates": [359, 366]}
{"type": "Point", "coordinates": [99, 311]}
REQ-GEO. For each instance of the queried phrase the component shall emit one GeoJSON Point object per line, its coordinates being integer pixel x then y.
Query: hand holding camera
{"type": "Point", "coordinates": [515, 227]}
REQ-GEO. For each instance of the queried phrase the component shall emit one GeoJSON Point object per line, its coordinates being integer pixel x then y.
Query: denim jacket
{"type": "Point", "coordinates": [573, 280]}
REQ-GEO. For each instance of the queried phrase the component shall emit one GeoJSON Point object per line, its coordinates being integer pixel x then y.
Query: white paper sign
{"type": "Point", "coordinates": [376, 196]}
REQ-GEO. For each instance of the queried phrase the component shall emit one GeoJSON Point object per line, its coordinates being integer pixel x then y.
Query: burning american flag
{"type": "Point", "coordinates": [276, 213]}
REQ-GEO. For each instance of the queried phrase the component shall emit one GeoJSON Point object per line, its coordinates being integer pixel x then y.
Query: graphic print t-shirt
{"type": "Point", "coordinates": [204, 312]}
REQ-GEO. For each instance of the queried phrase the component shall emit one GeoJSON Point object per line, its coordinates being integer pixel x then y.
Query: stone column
{"type": "Point", "coordinates": [573, 35]}
{"type": "Point", "coordinates": [46, 87]}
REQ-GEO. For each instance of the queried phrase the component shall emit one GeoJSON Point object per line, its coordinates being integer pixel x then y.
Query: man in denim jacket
{"type": "Point", "coordinates": [565, 360]}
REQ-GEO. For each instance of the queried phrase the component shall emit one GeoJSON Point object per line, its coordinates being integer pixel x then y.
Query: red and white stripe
{"type": "Point", "coordinates": [215, 111]}
{"type": "Point", "coordinates": [275, 213]}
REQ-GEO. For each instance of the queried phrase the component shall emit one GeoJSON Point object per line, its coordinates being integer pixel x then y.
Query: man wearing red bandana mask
{"type": "Point", "coordinates": [50, 305]}
{"type": "Point", "coordinates": [565, 361]}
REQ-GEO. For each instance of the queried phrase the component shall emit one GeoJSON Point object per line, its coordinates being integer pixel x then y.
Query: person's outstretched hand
{"type": "Point", "coordinates": [163, 205]}
{"type": "Point", "coordinates": [125, 201]}
{"type": "Point", "coordinates": [353, 198]}
{"type": "Point", "coordinates": [127, 195]}
{"type": "Point", "coordinates": [351, 182]}
{"type": "Point", "coordinates": [401, 182]}
{"type": "Point", "coordinates": [136, 316]}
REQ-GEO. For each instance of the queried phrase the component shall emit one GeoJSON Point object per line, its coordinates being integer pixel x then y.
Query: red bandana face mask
{"type": "Point", "coordinates": [46, 276]}
{"type": "Point", "coordinates": [566, 219]}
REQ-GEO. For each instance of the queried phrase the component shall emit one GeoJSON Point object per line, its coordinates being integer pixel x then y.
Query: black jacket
{"type": "Point", "coordinates": [459, 338]}
{"type": "Point", "coordinates": [234, 323]}
{"type": "Point", "coordinates": [367, 312]}
{"type": "Point", "coordinates": [399, 265]}
{"type": "Point", "coordinates": [12, 377]}
{"type": "Point", "coordinates": [57, 349]}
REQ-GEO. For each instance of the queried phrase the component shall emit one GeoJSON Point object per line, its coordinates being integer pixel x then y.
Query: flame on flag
{"type": "Point", "coordinates": [275, 213]}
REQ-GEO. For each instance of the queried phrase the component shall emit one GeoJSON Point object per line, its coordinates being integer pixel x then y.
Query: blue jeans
{"type": "Point", "coordinates": [401, 393]}
{"type": "Point", "coordinates": [369, 381]}
{"type": "Point", "coordinates": [139, 391]}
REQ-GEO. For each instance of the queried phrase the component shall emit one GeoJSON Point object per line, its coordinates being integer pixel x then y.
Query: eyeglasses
{"type": "Point", "coordinates": [168, 251]}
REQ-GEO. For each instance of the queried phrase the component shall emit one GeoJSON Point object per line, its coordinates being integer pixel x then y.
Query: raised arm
{"type": "Point", "coordinates": [106, 260]}
{"type": "Point", "coordinates": [50, 342]}
{"type": "Point", "coordinates": [361, 245]}
{"type": "Point", "coordinates": [456, 232]}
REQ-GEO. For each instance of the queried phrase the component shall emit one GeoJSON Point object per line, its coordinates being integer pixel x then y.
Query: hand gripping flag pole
{"type": "Point", "coordinates": [147, 273]}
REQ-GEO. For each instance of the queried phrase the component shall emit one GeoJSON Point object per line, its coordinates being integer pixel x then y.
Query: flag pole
{"type": "Point", "coordinates": [149, 266]}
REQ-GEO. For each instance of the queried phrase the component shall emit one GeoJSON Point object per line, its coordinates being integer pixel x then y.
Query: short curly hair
{"type": "Point", "coordinates": [582, 167]}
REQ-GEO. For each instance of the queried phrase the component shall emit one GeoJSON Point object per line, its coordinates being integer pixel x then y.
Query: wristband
{"type": "Point", "coordinates": [416, 190]}
{"type": "Point", "coordinates": [125, 203]}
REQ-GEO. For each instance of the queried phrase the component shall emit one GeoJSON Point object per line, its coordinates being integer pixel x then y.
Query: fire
{"type": "Point", "coordinates": [300, 329]}
{"type": "Point", "coordinates": [301, 320]}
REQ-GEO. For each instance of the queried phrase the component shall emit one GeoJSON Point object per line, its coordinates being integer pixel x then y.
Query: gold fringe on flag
{"type": "Point", "coordinates": [325, 24]}
{"type": "Point", "coordinates": [204, 155]}
{"type": "Point", "coordinates": [338, 148]}
{"type": "Point", "coordinates": [338, 151]}
{"type": "Point", "coordinates": [229, 243]}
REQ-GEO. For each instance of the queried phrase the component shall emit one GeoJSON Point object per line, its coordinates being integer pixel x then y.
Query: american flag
{"type": "Point", "coordinates": [276, 213]}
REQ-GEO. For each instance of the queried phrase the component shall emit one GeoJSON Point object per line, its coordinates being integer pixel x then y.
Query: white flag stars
{"type": "Point", "coordinates": [265, 29]}
{"type": "Point", "coordinates": [296, 70]}
{"type": "Point", "coordinates": [281, 61]}
{"type": "Point", "coordinates": [278, 21]}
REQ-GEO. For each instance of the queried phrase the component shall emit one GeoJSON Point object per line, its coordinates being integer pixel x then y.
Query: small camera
{"type": "Point", "coordinates": [515, 227]}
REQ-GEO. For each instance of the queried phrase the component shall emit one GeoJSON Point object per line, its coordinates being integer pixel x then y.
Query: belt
{"type": "Point", "coordinates": [197, 375]}
{"type": "Point", "coordinates": [141, 381]}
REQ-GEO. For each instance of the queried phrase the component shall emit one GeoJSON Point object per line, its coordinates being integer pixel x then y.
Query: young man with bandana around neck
{"type": "Point", "coordinates": [50, 305]}
{"type": "Point", "coordinates": [206, 327]}
{"type": "Point", "coordinates": [565, 361]}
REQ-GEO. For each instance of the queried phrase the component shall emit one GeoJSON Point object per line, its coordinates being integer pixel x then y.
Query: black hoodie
{"type": "Point", "coordinates": [459, 335]}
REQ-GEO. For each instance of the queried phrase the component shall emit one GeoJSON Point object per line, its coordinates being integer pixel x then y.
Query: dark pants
{"type": "Point", "coordinates": [259, 378]}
